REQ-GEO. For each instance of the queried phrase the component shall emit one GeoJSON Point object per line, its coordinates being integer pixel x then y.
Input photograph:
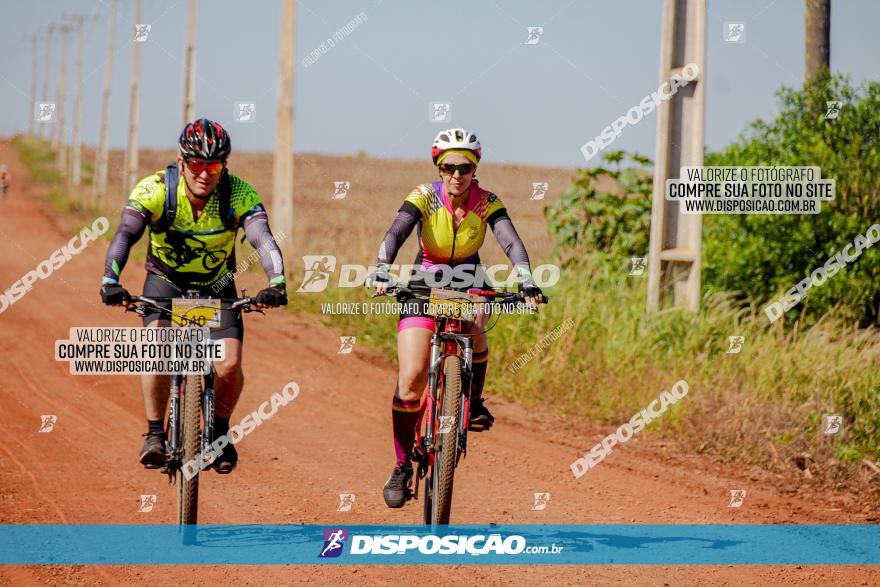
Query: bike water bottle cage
{"type": "Point", "coordinates": [171, 179]}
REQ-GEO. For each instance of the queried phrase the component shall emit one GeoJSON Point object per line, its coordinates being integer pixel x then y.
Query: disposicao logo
{"type": "Point", "coordinates": [334, 540]}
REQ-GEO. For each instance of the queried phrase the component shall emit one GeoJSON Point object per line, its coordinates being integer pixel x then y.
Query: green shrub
{"type": "Point", "coordinates": [761, 256]}
{"type": "Point", "coordinates": [757, 256]}
{"type": "Point", "coordinates": [587, 219]}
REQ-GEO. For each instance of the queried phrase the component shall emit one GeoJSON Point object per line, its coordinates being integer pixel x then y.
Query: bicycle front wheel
{"type": "Point", "coordinates": [446, 454]}
{"type": "Point", "coordinates": [191, 442]}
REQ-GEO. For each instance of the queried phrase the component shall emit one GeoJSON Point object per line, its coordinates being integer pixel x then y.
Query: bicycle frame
{"type": "Point", "coordinates": [447, 341]}
{"type": "Point", "coordinates": [199, 419]}
{"type": "Point", "coordinates": [173, 428]}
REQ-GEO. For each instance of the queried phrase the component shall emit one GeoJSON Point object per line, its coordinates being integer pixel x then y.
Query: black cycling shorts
{"type": "Point", "coordinates": [231, 323]}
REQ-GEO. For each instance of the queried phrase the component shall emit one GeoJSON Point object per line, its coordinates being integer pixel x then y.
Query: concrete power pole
{"type": "Point", "coordinates": [49, 31]}
{"type": "Point", "coordinates": [101, 163]}
{"type": "Point", "coordinates": [817, 52]}
{"type": "Point", "coordinates": [282, 171]}
{"type": "Point", "coordinates": [675, 250]}
{"type": "Point", "coordinates": [189, 79]}
{"type": "Point", "coordinates": [33, 87]}
{"type": "Point", "coordinates": [61, 143]}
{"type": "Point", "coordinates": [76, 155]}
{"type": "Point", "coordinates": [131, 169]}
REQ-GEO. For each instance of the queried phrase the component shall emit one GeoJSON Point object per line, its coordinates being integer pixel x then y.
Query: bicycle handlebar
{"type": "Point", "coordinates": [234, 302]}
{"type": "Point", "coordinates": [405, 292]}
{"type": "Point", "coordinates": [138, 303]}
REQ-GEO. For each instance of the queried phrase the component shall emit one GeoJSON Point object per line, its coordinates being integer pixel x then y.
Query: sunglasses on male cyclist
{"type": "Point", "coordinates": [464, 168]}
{"type": "Point", "coordinates": [213, 168]}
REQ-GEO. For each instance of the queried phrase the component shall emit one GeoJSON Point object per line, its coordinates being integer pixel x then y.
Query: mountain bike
{"type": "Point", "coordinates": [441, 439]}
{"type": "Point", "coordinates": [190, 428]}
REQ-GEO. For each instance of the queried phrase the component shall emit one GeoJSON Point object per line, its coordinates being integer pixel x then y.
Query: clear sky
{"type": "Point", "coordinates": [530, 103]}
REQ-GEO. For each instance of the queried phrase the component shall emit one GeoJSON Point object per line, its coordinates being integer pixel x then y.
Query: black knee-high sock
{"type": "Point", "coordinates": [221, 426]}
{"type": "Point", "coordinates": [481, 364]}
{"type": "Point", "coordinates": [156, 426]}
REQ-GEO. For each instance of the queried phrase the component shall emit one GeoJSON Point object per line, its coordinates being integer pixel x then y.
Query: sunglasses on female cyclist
{"type": "Point", "coordinates": [213, 168]}
{"type": "Point", "coordinates": [464, 168]}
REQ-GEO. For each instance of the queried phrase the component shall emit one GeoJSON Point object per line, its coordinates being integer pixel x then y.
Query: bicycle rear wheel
{"type": "Point", "coordinates": [191, 442]}
{"type": "Point", "coordinates": [445, 457]}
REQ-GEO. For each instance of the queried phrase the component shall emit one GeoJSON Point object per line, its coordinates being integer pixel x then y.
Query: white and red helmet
{"type": "Point", "coordinates": [455, 138]}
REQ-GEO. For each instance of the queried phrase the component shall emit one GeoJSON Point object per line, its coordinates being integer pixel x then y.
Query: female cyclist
{"type": "Point", "coordinates": [452, 215]}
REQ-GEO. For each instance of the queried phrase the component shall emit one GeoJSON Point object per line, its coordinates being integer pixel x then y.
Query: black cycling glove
{"type": "Point", "coordinates": [273, 296]}
{"type": "Point", "coordinates": [529, 289]}
{"type": "Point", "coordinates": [114, 294]}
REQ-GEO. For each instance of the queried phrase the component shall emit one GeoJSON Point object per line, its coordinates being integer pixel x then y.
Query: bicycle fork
{"type": "Point", "coordinates": [173, 433]}
{"type": "Point", "coordinates": [208, 406]}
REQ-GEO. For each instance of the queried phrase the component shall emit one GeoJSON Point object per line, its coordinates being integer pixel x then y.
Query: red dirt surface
{"type": "Point", "coordinates": [334, 438]}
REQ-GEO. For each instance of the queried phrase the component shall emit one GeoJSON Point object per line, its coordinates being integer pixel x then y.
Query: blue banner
{"type": "Point", "coordinates": [622, 544]}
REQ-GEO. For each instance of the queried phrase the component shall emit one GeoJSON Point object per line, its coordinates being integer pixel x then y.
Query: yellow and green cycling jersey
{"type": "Point", "coordinates": [197, 252]}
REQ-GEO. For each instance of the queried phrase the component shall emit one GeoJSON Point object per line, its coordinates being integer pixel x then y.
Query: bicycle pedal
{"type": "Point", "coordinates": [421, 459]}
{"type": "Point", "coordinates": [479, 426]}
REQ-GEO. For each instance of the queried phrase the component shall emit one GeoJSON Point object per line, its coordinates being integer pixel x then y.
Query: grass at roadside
{"type": "Point", "coordinates": [72, 201]}
{"type": "Point", "coordinates": [762, 405]}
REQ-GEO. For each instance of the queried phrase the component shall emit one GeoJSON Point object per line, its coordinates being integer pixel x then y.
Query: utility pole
{"type": "Point", "coordinates": [131, 169]}
{"type": "Point", "coordinates": [101, 163]}
{"type": "Point", "coordinates": [76, 158]}
{"type": "Point", "coordinates": [282, 171]}
{"type": "Point", "coordinates": [62, 141]}
{"type": "Point", "coordinates": [49, 31]}
{"type": "Point", "coordinates": [33, 87]}
{"type": "Point", "coordinates": [675, 249]}
{"type": "Point", "coordinates": [189, 75]}
{"type": "Point", "coordinates": [817, 52]}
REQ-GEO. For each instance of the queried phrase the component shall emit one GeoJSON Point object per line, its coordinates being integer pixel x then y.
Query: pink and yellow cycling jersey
{"type": "Point", "coordinates": [441, 242]}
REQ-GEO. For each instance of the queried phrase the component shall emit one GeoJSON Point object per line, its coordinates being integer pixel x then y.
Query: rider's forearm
{"type": "Point", "coordinates": [258, 233]}
{"type": "Point", "coordinates": [511, 243]}
{"type": "Point", "coordinates": [400, 230]}
{"type": "Point", "coordinates": [130, 230]}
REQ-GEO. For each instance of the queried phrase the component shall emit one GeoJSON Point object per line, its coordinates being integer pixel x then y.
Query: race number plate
{"type": "Point", "coordinates": [195, 312]}
{"type": "Point", "coordinates": [444, 303]}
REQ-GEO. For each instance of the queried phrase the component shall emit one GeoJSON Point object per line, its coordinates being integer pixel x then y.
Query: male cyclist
{"type": "Point", "coordinates": [452, 216]}
{"type": "Point", "coordinates": [192, 247]}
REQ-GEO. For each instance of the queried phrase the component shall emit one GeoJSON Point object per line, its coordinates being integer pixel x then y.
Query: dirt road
{"type": "Point", "coordinates": [335, 438]}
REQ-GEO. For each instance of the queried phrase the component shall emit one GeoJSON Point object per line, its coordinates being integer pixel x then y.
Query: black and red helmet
{"type": "Point", "coordinates": [205, 139]}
